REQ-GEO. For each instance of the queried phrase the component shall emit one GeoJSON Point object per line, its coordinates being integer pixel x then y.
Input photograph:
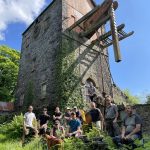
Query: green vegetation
{"type": "Point", "coordinates": [131, 99]}
{"type": "Point", "coordinates": [148, 99]}
{"type": "Point", "coordinates": [9, 65]}
{"type": "Point", "coordinates": [11, 133]}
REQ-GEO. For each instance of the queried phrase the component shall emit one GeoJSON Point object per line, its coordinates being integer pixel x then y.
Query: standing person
{"type": "Point", "coordinates": [75, 126]}
{"type": "Point", "coordinates": [43, 121]}
{"type": "Point", "coordinates": [67, 115]}
{"type": "Point", "coordinates": [57, 115]}
{"type": "Point", "coordinates": [30, 122]}
{"type": "Point", "coordinates": [78, 114]}
{"type": "Point", "coordinates": [131, 129]}
{"type": "Point", "coordinates": [111, 115]}
{"type": "Point", "coordinates": [91, 91]}
{"type": "Point", "coordinates": [96, 116]}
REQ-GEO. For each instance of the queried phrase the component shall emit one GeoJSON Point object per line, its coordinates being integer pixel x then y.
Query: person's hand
{"type": "Point", "coordinates": [127, 137]}
{"type": "Point", "coordinates": [122, 136]}
{"type": "Point", "coordinates": [115, 120]}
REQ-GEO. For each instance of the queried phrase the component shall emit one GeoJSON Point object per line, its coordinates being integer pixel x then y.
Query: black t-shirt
{"type": "Point", "coordinates": [57, 114]}
{"type": "Point", "coordinates": [95, 114]}
{"type": "Point", "coordinates": [43, 119]}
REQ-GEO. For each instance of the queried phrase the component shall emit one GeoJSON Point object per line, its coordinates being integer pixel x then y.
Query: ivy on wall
{"type": "Point", "coordinates": [68, 77]}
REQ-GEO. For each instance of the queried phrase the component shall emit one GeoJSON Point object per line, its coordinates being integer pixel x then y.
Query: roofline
{"type": "Point", "coordinates": [38, 17]}
{"type": "Point", "coordinates": [92, 1]}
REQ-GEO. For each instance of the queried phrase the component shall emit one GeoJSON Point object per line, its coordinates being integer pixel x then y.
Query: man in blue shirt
{"type": "Point", "coordinates": [74, 125]}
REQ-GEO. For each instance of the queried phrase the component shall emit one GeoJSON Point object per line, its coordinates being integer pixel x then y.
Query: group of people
{"type": "Point", "coordinates": [73, 119]}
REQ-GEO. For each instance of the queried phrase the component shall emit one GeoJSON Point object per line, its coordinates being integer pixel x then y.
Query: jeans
{"type": "Point", "coordinates": [112, 128]}
{"type": "Point", "coordinates": [118, 140]}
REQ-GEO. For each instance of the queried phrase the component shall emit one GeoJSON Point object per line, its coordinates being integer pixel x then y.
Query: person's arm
{"type": "Point", "coordinates": [116, 115]}
{"type": "Point", "coordinates": [54, 117]}
{"type": "Point", "coordinates": [77, 131]}
{"type": "Point", "coordinates": [102, 119]}
{"type": "Point", "coordinates": [123, 132]}
{"type": "Point", "coordinates": [136, 130]}
{"type": "Point", "coordinates": [51, 133]}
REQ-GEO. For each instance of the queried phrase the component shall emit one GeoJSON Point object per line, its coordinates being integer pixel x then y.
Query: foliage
{"type": "Point", "coordinates": [74, 144]}
{"type": "Point", "coordinates": [148, 99]}
{"type": "Point", "coordinates": [68, 87]}
{"type": "Point", "coordinates": [13, 130]}
{"type": "Point", "coordinates": [131, 99]}
{"type": "Point", "coordinates": [9, 64]}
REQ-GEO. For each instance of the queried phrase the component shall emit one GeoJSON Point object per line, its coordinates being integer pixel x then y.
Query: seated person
{"type": "Point", "coordinates": [131, 129]}
{"type": "Point", "coordinates": [29, 120]}
{"type": "Point", "coordinates": [57, 115]}
{"type": "Point", "coordinates": [43, 121]}
{"type": "Point", "coordinates": [57, 133]}
{"type": "Point", "coordinates": [75, 126]}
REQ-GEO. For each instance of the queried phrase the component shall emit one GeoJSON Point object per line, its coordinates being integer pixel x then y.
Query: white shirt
{"type": "Point", "coordinates": [29, 117]}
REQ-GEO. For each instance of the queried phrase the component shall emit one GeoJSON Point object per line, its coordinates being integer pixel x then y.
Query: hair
{"type": "Point", "coordinates": [44, 108]}
{"type": "Point", "coordinates": [131, 106]}
{"type": "Point", "coordinates": [73, 113]}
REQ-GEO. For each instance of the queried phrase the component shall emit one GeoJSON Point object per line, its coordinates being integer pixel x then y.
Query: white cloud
{"type": "Point", "coordinates": [23, 11]}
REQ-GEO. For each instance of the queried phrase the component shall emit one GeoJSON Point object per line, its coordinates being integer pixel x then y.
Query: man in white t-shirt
{"type": "Point", "coordinates": [30, 121]}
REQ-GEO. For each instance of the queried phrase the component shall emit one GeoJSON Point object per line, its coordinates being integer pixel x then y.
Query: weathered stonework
{"type": "Point", "coordinates": [55, 63]}
{"type": "Point", "coordinates": [144, 111]}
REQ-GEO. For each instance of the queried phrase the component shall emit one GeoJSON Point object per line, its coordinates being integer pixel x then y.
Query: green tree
{"type": "Point", "coordinates": [9, 65]}
{"type": "Point", "coordinates": [131, 98]}
{"type": "Point", "coordinates": [148, 99]}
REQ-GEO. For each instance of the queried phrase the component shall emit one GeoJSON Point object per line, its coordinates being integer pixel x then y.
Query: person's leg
{"type": "Point", "coordinates": [109, 128]}
{"type": "Point", "coordinates": [116, 129]}
{"type": "Point", "coordinates": [117, 140]}
{"type": "Point", "coordinates": [98, 125]}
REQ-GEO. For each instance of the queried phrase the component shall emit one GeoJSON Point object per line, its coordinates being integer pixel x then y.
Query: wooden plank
{"type": "Point", "coordinates": [104, 7]}
{"type": "Point", "coordinates": [106, 35]}
{"type": "Point", "coordinates": [100, 13]}
{"type": "Point", "coordinates": [121, 38]}
{"type": "Point", "coordinates": [95, 27]}
{"type": "Point", "coordinates": [83, 18]}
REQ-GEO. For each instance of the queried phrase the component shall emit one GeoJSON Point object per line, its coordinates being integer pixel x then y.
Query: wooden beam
{"type": "Point", "coordinates": [115, 38]}
{"type": "Point", "coordinates": [89, 14]}
{"type": "Point", "coordinates": [121, 38]}
{"type": "Point", "coordinates": [106, 35]}
{"type": "Point", "coordinates": [95, 26]}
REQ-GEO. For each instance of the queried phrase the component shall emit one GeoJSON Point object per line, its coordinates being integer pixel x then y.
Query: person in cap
{"type": "Point", "coordinates": [67, 115]}
{"type": "Point", "coordinates": [75, 126]}
{"type": "Point", "coordinates": [78, 114]}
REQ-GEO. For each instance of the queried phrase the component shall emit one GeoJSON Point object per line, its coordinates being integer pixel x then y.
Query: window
{"type": "Point", "coordinates": [43, 90]}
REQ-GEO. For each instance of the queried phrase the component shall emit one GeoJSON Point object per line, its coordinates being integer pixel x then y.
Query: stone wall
{"type": "Point", "coordinates": [144, 111]}
{"type": "Point", "coordinates": [56, 63]}
{"type": "Point", "coordinates": [118, 96]}
{"type": "Point", "coordinates": [40, 47]}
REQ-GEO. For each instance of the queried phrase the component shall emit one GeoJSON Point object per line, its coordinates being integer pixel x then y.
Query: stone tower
{"type": "Point", "coordinates": [56, 64]}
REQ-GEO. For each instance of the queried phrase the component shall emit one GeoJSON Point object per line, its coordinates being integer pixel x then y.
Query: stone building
{"type": "Point", "coordinates": [56, 64]}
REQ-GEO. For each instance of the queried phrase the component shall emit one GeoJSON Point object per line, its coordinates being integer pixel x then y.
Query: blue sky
{"type": "Point", "coordinates": [132, 73]}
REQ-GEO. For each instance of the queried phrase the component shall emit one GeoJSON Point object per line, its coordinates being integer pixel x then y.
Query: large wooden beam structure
{"type": "Point", "coordinates": [95, 19]}
{"type": "Point", "coordinates": [115, 38]}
